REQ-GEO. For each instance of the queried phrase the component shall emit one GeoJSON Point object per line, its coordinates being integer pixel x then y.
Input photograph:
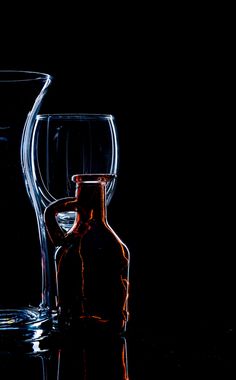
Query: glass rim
{"type": "Point", "coordinates": [74, 116]}
{"type": "Point", "coordinates": [24, 76]}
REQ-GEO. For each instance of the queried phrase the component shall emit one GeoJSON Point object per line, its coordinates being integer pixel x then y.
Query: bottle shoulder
{"type": "Point", "coordinates": [105, 230]}
{"type": "Point", "coordinates": [98, 238]}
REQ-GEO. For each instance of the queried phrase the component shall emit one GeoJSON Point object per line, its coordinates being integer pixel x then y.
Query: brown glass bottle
{"type": "Point", "coordinates": [92, 263]}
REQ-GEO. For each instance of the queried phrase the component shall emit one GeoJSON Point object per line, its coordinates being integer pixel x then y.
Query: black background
{"type": "Point", "coordinates": [161, 75]}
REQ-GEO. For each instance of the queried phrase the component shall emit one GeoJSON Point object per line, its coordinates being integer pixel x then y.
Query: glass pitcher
{"type": "Point", "coordinates": [24, 284]}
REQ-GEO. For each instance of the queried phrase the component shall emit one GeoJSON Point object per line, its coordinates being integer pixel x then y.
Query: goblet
{"type": "Point", "coordinates": [63, 145]}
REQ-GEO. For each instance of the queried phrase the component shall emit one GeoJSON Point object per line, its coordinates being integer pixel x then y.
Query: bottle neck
{"type": "Point", "coordinates": [91, 198]}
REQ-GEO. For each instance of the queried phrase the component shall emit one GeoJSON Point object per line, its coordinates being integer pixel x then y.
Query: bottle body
{"type": "Point", "coordinates": [92, 279]}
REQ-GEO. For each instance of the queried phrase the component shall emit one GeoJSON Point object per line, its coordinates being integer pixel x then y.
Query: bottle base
{"type": "Point", "coordinates": [90, 324]}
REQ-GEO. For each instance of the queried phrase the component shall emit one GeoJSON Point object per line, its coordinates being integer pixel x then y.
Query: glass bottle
{"type": "Point", "coordinates": [92, 263]}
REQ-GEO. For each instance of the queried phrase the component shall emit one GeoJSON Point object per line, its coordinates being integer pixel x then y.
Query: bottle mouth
{"type": "Point", "coordinates": [93, 178]}
{"type": "Point", "coordinates": [22, 76]}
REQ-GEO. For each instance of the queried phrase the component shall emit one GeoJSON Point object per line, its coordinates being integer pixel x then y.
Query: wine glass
{"type": "Point", "coordinates": [67, 144]}
{"type": "Point", "coordinates": [60, 146]}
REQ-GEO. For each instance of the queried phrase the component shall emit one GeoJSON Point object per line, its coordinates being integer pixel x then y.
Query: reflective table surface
{"type": "Point", "coordinates": [144, 352]}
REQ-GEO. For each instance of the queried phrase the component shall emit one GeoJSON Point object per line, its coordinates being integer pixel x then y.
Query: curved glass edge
{"type": "Point", "coordinates": [26, 164]}
{"type": "Point", "coordinates": [23, 76]}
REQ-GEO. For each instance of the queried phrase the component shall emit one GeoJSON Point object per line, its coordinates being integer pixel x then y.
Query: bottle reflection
{"type": "Point", "coordinates": [94, 359]}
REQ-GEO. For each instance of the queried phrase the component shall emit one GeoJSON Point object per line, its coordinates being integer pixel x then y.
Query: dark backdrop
{"type": "Point", "coordinates": [174, 199]}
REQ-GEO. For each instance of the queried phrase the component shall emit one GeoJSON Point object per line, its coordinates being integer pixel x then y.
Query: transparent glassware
{"type": "Point", "coordinates": [92, 263]}
{"type": "Point", "coordinates": [59, 146]}
{"type": "Point", "coordinates": [24, 305]}
{"type": "Point", "coordinates": [65, 144]}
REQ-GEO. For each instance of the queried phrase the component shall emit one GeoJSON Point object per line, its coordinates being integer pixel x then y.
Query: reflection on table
{"type": "Point", "coordinates": [90, 356]}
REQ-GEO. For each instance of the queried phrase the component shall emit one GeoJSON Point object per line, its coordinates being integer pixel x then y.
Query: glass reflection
{"type": "Point", "coordinates": [19, 365]}
{"type": "Point", "coordinates": [27, 359]}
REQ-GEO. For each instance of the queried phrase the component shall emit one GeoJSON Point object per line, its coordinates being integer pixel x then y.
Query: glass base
{"type": "Point", "coordinates": [24, 323]}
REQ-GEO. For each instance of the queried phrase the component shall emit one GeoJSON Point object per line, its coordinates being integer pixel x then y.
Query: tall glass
{"type": "Point", "coordinates": [24, 302]}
